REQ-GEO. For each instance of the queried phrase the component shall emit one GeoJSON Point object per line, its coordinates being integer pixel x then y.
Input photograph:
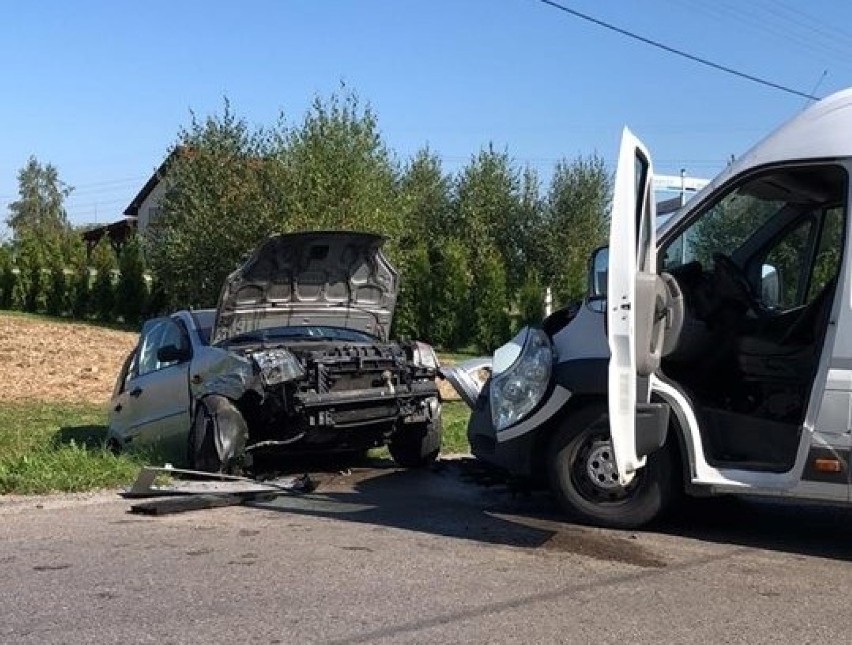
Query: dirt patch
{"type": "Point", "coordinates": [58, 360]}
{"type": "Point", "coordinates": [446, 391]}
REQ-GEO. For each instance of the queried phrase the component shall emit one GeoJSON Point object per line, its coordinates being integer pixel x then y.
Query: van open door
{"type": "Point", "coordinates": [636, 313]}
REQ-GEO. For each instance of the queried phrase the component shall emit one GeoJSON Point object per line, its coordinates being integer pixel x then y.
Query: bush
{"type": "Point", "coordinates": [131, 291]}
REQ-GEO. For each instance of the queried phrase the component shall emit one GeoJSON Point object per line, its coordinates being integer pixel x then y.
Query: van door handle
{"type": "Point", "coordinates": [136, 391]}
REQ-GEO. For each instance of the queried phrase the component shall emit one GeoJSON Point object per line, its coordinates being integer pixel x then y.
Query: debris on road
{"type": "Point", "coordinates": [205, 490]}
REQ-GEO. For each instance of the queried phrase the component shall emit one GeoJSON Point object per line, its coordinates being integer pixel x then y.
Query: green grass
{"type": "Point", "coordinates": [51, 447]}
{"type": "Point", "coordinates": [59, 447]}
{"type": "Point", "coordinates": [456, 415]}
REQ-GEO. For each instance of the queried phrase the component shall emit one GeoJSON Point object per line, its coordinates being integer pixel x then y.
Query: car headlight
{"type": "Point", "coordinates": [277, 366]}
{"type": "Point", "coordinates": [423, 355]}
{"type": "Point", "coordinates": [516, 391]}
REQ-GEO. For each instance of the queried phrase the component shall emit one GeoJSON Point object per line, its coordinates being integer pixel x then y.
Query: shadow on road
{"type": "Point", "coordinates": [443, 502]}
{"type": "Point", "coordinates": [436, 502]}
{"type": "Point", "coordinates": [798, 528]}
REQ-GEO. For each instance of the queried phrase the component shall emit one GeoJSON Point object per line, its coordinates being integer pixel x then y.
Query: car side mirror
{"type": "Point", "coordinates": [172, 354]}
{"type": "Point", "coordinates": [598, 267]}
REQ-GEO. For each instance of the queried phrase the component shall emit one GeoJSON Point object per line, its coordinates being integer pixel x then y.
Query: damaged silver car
{"type": "Point", "coordinates": [295, 358]}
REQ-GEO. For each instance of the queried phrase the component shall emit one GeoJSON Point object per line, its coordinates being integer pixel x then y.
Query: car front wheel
{"type": "Point", "coordinates": [415, 445]}
{"type": "Point", "coordinates": [584, 477]}
{"type": "Point", "coordinates": [217, 437]}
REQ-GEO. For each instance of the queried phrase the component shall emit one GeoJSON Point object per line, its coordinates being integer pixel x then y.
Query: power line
{"type": "Point", "coordinates": [677, 52]}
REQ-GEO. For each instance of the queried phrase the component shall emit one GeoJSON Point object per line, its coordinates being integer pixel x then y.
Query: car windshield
{"type": "Point", "coordinates": [204, 319]}
{"type": "Point", "coordinates": [304, 332]}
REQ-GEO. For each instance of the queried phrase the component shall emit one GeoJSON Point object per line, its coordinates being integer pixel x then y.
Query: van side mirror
{"type": "Point", "coordinates": [598, 268]}
{"type": "Point", "coordinates": [770, 289]}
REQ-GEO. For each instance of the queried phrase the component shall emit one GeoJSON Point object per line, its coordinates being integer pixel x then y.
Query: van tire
{"type": "Point", "coordinates": [579, 454]}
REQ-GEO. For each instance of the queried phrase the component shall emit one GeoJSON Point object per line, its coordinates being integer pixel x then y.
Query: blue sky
{"type": "Point", "coordinates": [100, 89]}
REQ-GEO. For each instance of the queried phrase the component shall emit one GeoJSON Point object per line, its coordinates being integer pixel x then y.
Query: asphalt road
{"type": "Point", "coordinates": [385, 556]}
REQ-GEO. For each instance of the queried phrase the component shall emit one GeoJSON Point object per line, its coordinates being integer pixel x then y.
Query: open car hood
{"type": "Point", "coordinates": [337, 279]}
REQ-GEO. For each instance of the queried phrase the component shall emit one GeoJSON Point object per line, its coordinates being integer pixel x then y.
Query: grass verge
{"type": "Point", "coordinates": [456, 415]}
{"type": "Point", "coordinates": [58, 447]}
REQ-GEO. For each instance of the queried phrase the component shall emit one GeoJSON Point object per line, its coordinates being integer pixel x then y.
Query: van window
{"type": "Point", "coordinates": [783, 229]}
{"type": "Point", "coordinates": [722, 229]}
{"type": "Point", "coordinates": [827, 262]}
{"type": "Point", "coordinates": [787, 259]}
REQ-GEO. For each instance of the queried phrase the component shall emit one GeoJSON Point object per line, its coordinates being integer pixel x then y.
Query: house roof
{"type": "Point", "coordinates": [132, 209]}
{"type": "Point", "coordinates": [116, 231]}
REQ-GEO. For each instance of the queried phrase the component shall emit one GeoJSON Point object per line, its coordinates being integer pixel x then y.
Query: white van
{"type": "Point", "coordinates": [713, 356]}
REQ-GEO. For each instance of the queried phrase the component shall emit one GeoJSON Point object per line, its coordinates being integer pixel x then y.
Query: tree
{"type": "Point", "coordinates": [31, 255]}
{"type": "Point", "coordinates": [450, 305]}
{"type": "Point", "coordinates": [531, 300]}
{"type": "Point", "coordinates": [425, 206]}
{"type": "Point", "coordinates": [339, 172]}
{"type": "Point", "coordinates": [7, 277]}
{"type": "Point", "coordinates": [217, 207]}
{"type": "Point", "coordinates": [80, 291]}
{"type": "Point", "coordinates": [39, 208]}
{"type": "Point", "coordinates": [487, 208]}
{"type": "Point", "coordinates": [230, 187]}
{"type": "Point", "coordinates": [56, 299]}
{"type": "Point", "coordinates": [575, 221]}
{"type": "Point", "coordinates": [490, 303]}
{"type": "Point", "coordinates": [103, 290]}
{"type": "Point", "coordinates": [131, 291]}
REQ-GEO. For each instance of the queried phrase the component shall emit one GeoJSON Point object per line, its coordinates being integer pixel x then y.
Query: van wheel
{"type": "Point", "coordinates": [585, 480]}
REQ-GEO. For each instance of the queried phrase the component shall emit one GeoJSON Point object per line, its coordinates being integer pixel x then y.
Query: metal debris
{"type": "Point", "coordinates": [205, 490]}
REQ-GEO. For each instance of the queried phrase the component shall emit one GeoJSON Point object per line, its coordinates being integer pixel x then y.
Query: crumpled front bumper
{"type": "Point", "coordinates": [513, 449]}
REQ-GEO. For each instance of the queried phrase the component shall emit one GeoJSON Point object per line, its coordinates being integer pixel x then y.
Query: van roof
{"type": "Point", "coordinates": [823, 130]}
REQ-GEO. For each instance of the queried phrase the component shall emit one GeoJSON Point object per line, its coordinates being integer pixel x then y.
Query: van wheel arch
{"type": "Point", "coordinates": [578, 452]}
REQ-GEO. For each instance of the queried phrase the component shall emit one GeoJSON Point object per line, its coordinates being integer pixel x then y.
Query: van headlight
{"type": "Point", "coordinates": [516, 391]}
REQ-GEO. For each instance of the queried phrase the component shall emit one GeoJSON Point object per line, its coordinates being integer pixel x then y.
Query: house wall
{"type": "Point", "coordinates": [151, 206]}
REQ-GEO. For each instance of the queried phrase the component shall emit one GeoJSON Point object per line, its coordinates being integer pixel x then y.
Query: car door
{"type": "Point", "coordinates": [634, 326]}
{"type": "Point", "coordinates": [155, 404]}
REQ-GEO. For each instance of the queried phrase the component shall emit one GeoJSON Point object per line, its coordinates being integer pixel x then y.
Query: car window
{"type": "Point", "coordinates": [161, 334]}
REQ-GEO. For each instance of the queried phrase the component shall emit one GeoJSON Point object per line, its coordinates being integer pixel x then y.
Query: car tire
{"type": "Point", "coordinates": [583, 478]}
{"type": "Point", "coordinates": [416, 445]}
{"type": "Point", "coordinates": [217, 436]}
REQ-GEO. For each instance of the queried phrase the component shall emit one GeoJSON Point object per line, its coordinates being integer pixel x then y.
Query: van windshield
{"type": "Point", "coordinates": [729, 223]}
